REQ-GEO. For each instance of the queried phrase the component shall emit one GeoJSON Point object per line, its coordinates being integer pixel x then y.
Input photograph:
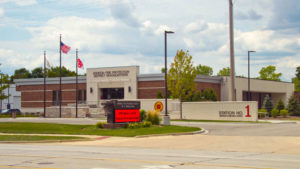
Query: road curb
{"type": "Point", "coordinates": [202, 131]}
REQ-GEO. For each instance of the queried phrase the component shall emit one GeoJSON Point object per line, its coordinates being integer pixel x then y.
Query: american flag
{"type": "Point", "coordinates": [64, 48]}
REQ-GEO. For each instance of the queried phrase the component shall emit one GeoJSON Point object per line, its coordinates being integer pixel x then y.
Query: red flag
{"type": "Point", "coordinates": [80, 64]}
{"type": "Point", "coordinates": [64, 48]}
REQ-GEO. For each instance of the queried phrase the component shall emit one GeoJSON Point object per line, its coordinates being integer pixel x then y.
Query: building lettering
{"type": "Point", "coordinates": [111, 73]}
{"type": "Point", "coordinates": [230, 113]}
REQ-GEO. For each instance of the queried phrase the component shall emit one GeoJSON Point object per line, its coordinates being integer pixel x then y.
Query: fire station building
{"type": "Point", "coordinates": [127, 83]}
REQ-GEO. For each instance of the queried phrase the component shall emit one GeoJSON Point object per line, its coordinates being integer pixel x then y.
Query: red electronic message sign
{"type": "Point", "coordinates": [129, 115]}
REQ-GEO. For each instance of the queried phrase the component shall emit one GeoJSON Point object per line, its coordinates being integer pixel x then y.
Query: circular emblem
{"type": "Point", "coordinates": [158, 106]}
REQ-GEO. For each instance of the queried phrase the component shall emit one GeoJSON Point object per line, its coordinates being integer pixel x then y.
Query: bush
{"type": "Point", "coordinates": [262, 113]}
{"type": "Point", "coordinates": [159, 95]}
{"type": "Point", "coordinates": [146, 124]}
{"type": "Point", "coordinates": [274, 113]}
{"type": "Point", "coordinates": [284, 113]}
{"type": "Point", "coordinates": [293, 106]}
{"type": "Point", "coordinates": [100, 125]}
{"type": "Point", "coordinates": [268, 105]}
{"type": "Point", "coordinates": [153, 117]}
{"type": "Point", "coordinates": [142, 115]}
{"type": "Point", "coordinates": [134, 125]}
{"type": "Point", "coordinates": [280, 105]}
{"type": "Point", "coordinates": [212, 95]}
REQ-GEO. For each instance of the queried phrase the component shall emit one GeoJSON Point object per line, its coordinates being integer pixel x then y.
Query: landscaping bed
{"type": "Point", "coordinates": [50, 128]}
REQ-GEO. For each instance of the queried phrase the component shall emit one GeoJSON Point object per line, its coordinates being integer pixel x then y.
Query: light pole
{"type": "Point", "coordinates": [166, 117]}
{"type": "Point", "coordinates": [249, 74]}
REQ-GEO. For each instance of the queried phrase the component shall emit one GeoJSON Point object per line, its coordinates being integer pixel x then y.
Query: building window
{"type": "Point", "coordinates": [112, 93]}
{"type": "Point", "coordinates": [81, 96]}
{"type": "Point", "coordinates": [55, 97]}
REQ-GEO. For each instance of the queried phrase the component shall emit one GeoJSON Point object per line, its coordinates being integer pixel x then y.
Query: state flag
{"type": "Point", "coordinates": [80, 64]}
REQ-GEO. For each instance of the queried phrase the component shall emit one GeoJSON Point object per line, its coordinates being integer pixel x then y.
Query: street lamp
{"type": "Point", "coordinates": [166, 117]}
{"type": "Point", "coordinates": [249, 73]}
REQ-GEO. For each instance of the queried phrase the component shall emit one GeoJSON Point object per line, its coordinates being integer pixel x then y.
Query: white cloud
{"type": "Point", "coordinates": [1, 12]}
{"type": "Point", "coordinates": [20, 2]}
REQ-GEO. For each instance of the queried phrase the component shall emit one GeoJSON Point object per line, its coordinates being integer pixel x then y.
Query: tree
{"type": "Point", "coordinates": [267, 104]}
{"type": "Point", "coordinates": [55, 72]}
{"type": "Point", "coordinates": [4, 84]}
{"type": "Point", "coordinates": [293, 106]}
{"type": "Point", "coordinates": [298, 72]}
{"type": "Point", "coordinates": [212, 95]}
{"type": "Point", "coordinates": [296, 82]}
{"type": "Point", "coordinates": [181, 77]}
{"type": "Point", "coordinates": [280, 105]}
{"type": "Point", "coordinates": [21, 73]}
{"type": "Point", "coordinates": [162, 70]}
{"type": "Point", "coordinates": [37, 72]}
{"type": "Point", "coordinates": [268, 73]}
{"type": "Point", "coordinates": [224, 72]}
{"type": "Point", "coordinates": [204, 70]}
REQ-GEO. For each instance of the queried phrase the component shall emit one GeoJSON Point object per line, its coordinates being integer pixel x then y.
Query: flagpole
{"type": "Point", "coordinates": [60, 94]}
{"type": "Point", "coordinates": [44, 84]}
{"type": "Point", "coordinates": [76, 83]}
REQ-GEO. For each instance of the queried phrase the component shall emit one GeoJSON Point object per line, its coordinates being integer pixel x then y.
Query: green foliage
{"type": "Point", "coordinates": [142, 115]}
{"type": "Point", "coordinates": [159, 95]}
{"type": "Point", "coordinates": [4, 84]}
{"type": "Point", "coordinates": [224, 72]}
{"type": "Point", "coordinates": [21, 73]}
{"type": "Point", "coordinates": [153, 117]}
{"type": "Point", "coordinates": [262, 110]}
{"type": "Point", "coordinates": [212, 95]}
{"type": "Point", "coordinates": [296, 82]}
{"type": "Point", "coordinates": [280, 105]}
{"type": "Point", "coordinates": [267, 104]}
{"type": "Point", "coordinates": [100, 125]}
{"type": "Point", "coordinates": [162, 70]}
{"type": "Point", "coordinates": [145, 124]}
{"type": "Point", "coordinates": [197, 96]}
{"type": "Point", "coordinates": [181, 76]}
{"type": "Point", "coordinates": [274, 113]}
{"type": "Point", "coordinates": [284, 113]}
{"type": "Point", "coordinates": [204, 70]}
{"type": "Point", "coordinates": [55, 72]}
{"type": "Point", "coordinates": [268, 73]}
{"type": "Point", "coordinates": [262, 114]}
{"type": "Point", "coordinates": [37, 72]}
{"type": "Point", "coordinates": [293, 106]}
{"type": "Point", "coordinates": [298, 72]}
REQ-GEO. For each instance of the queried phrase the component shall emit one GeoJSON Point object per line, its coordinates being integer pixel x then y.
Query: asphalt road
{"type": "Point", "coordinates": [41, 156]}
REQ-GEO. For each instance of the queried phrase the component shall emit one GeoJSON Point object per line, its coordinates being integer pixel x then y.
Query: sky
{"type": "Point", "coordinates": [111, 33]}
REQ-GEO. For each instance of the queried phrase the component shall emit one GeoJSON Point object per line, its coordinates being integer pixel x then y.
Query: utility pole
{"type": "Point", "coordinates": [231, 38]}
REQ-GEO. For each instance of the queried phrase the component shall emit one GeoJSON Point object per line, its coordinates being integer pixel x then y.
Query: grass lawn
{"type": "Point", "coordinates": [37, 138]}
{"type": "Point", "coordinates": [9, 115]}
{"type": "Point", "coordinates": [219, 121]}
{"type": "Point", "coordinates": [50, 128]}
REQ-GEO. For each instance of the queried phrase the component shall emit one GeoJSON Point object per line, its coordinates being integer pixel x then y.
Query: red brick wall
{"type": "Point", "coordinates": [297, 94]}
{"type": "Point", "coordinates": [149, 89]}
{"type": "Point", "coordinates": [32, 96]}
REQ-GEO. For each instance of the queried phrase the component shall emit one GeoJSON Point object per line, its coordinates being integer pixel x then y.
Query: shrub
{"type": "Point", "coordinates": [134, 125]}
{"type": "Point", "coordinates": [293, 106]}
{"type": "Point", "coordinates": [280, 105]}
{"type": "Point", "coordinates": [274, 113]}
{"type": "Point", "coordinates": [100, 125]}
{"type": "Point", "coordinates": [284, 113]}
{"type": "Point", "coordinates": [262, 113]}
{"type": "Point", "coordinates": [125, 126]}
{"type": "Point", "coordinates": [159, 95]}
{"type": "Point", "coordinates": [142, 115]}
{"type": "Point", "coordinates": [146, 124]}
{"type": "Point", "coordinates": [153, 117]}
{"type": "Point", "coordinates": [212, 95]}
{"type": "Point", "coordinates": [268, 105]}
